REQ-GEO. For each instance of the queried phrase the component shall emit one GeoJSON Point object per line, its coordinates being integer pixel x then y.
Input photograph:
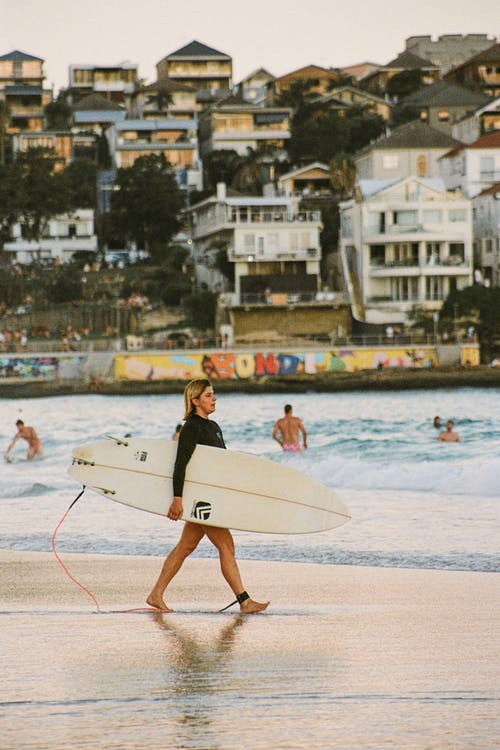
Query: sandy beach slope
{"type": "Point", "coordinates": [345, 657]}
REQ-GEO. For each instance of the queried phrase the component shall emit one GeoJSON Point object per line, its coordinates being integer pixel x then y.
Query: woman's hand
{"type": "Point", "coordinates": [176, 509]}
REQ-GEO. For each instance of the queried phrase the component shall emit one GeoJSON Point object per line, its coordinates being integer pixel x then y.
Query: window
{"type": "Point", "coordinates": [443, 116]}
{"type": "Point", "coordinates": [487, 167]}
{"type": "Point", "coordinates": [390, 161]}
{"type": "Point", "coordinates": [405, 218]}
{"type": "Point", "coordinates": [377, 255]}
{"type": "Point", "coordinates": [432, 216]}
{"type": "Point", "coordinates": [421, 165]}
{"type": "Point", "coordinates": [434, 288]}
{"type": "Point", "coordinates": [249, 242]}
{"type": "Point", "coordinates": [72, 230]}
{"type": "Point", "coordinates": [457, 214]}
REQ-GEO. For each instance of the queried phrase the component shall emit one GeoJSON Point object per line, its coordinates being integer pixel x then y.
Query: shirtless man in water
{"type": "Point", "coordinates": [29, 434]}
{"type": "Point", "coordinates": [449, 436]}
{"type": "Point", "coordinates": [286, 432]}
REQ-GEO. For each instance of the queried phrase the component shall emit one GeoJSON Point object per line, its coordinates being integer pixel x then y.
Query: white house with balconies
{"type": "Point", "coordinates": [472, 167]}
{"type": "Point", "coordinates": [404, 243]}
{"type": "Point", "coordinates": [62, 237]}
{"type": "Point", "coordinates": [273, 244]}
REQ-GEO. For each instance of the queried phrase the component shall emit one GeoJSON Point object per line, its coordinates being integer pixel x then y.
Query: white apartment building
{"type": "Point", "coordinates": [472, 167]}
{"type": "Point", "coordinates": [63, 236]}
{"type": "Point", "coordinates": [274, 246]}
{"type": "Point", "coordinates": [404, 243]}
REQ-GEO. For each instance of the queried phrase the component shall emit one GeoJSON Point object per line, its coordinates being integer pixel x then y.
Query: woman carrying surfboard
{"type": "Point", "coordinates": [199, 401]}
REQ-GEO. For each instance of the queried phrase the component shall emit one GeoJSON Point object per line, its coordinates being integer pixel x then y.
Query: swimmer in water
{"type": "Point", "coordinates": [286, 432]}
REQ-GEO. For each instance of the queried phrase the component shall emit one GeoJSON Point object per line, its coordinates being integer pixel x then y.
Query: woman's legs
{"type": "Point", "coordinates": [191, 535]}
{"type": "Point", "coordinates": [223, 540]}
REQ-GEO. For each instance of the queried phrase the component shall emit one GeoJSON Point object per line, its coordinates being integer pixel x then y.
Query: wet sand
{"type": "Point", "coordinates": [346, 657]}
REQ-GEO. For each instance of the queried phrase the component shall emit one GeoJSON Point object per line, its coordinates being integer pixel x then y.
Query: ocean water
{"type": "Point", "coordinates": [414, 502]}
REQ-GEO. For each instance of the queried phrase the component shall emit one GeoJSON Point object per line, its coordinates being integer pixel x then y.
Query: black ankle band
{"type": "Point", "coordinates": [242, 597]}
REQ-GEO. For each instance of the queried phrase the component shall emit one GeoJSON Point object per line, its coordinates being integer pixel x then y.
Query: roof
{"type": "Point", "coordinates": [23, 90]}
{"type": "Point", "coordinates": [96, 102]}
{"type": "Point", "coordinates": [491, 190]}
{"type": "Point", "coordinates": [490, 54]}
{"type": "Point", "coordinates": [197, 49]}
{"type": "Point", "coordinates": [168, 84]}
{"type": "Point", "coordinates": [171, 124]}
{"type": "Point", "coordinates": [409, 60]}
{"type": "Point", "coordinates": [490, 140]}
{"type": "Point", "coordinates": [306, 168]}
{"type": "Point", "coordinates": [443, 93]}
{"type": "Point", "coordinates": [95, 115]}
{"type": "Point", "coordinates": [16, 55]}
{"type": "Point", "coordinates": [372, 187]}
{"type": "Point", "coordinates": [310, 69]}
{"type": "Point", "coordinates": [414, 134]}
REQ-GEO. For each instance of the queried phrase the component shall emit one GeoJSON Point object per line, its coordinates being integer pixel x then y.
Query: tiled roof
{"type": "Point", "coordinates": [197, 49]}
{"type": "Point", "coordinates": [490, 140]}
{"type": "Point", "coordinates": [490, 54]}
{"type": "Point", "coordinates": [447, 94]}
{"type": "Point", "coordinates": [167, 85]}
{"type": "Point", "coordinates": [95, 102]}
{"type": "Point", "coordinates": [409, 60]}
{"type": "Point", "coordinates": [491, 190]}
{"type": "Point", "coordinates": [17, 56]}
{"type": "Point", "coordinates": [415, 134]}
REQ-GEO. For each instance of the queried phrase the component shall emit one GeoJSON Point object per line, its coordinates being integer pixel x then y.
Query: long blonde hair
{"type": "Point", "coordinates": [194, 389]}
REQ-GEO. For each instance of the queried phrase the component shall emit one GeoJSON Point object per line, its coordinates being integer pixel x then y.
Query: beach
{"type": "Point", "coordinates": [345, 657]}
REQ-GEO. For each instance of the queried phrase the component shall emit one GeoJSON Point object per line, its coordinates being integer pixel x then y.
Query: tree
{"type": "Point", "coordinates": [4, 122]}
{"type": "Point", "coordinates": [342, 175]}
{"type": "Point", "coordinates": [147, 202]}
{"type": "Point", "coordinates": [79, 179]}
{"type": "Point", "coordinates": [405, 83]}
{"type": "Point", "coordinates": [478, 306]}
{"type": "Point", "coordinates": [221, 165]}
{"type": "Point", "coordinates": [58, 113]}
{"type": "Point", "coordinates": [39, 192]}
{"type": "Point", "coordinates": [319, 134]}
{"type": "Point", "coordinates": [199, 309]}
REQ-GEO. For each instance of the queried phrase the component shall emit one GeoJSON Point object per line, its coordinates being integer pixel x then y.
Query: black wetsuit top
{"type": "Point", "coordinates": [195, 430]}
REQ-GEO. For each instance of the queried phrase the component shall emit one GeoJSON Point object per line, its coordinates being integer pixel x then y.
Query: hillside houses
{"type": "Point", "coordinates": [437, 160]}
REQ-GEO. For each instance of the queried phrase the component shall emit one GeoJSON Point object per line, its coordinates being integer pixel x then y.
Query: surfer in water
{"type": "Point", "coordinates": [286, 432]}
{"type": "Point", "coordinates": [199, 402]}
{"type": "Point", "coordinates": [29, 434]}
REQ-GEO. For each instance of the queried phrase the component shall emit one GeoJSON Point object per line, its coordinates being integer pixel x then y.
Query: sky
{"type": "Point", "coordinates": [276, 35]}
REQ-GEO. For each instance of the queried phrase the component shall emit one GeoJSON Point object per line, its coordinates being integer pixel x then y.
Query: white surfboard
{"type": "Point", "coordinates": [223, 488]}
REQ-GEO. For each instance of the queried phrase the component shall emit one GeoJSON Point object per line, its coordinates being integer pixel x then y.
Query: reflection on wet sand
{"type": "Point", "coordinates": [200, 658]}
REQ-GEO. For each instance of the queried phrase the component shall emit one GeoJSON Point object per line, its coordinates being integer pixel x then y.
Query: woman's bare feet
{"type": "Point", "coordinates": [250, 607]}
{"type": "Point", "coordinates": [157, 603]}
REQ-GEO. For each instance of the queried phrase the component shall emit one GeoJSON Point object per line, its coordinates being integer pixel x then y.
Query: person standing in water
{"type": "Point", "coordinates": [29, 434]}
{"type": "Point", "coordinates": [449, 436]}
{"type": "Point", "coordinates": [286, 432]}
{"type": "Point", "coordinates": [199, 401]}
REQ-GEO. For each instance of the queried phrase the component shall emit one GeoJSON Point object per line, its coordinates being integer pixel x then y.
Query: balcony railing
{"type": "Point", "coordinates": [291, 298]}
{"type": "Point", "coordinates": [253, 256]}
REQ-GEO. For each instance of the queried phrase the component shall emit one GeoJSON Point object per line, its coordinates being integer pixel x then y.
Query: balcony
{"type": "Point", "coordinates": [246, 256]}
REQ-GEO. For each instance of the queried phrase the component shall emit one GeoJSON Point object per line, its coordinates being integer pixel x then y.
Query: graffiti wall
{"type": "Point", "coordinates": [29, 368]}
{"type": "Point", "coordinates": [243, 365]}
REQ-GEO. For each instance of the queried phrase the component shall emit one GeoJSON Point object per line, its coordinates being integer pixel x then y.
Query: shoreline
{"type": "Point", "coordinates": [342, 656]}
{"type": "Point", "coordinates": [390, 379]}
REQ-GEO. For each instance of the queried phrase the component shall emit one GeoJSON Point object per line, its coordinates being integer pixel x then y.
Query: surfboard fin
{"type": "Point", "coordinates": [118, 441]}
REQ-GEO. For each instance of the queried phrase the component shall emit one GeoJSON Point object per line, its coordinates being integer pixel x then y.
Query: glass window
{"type": "Point", "coordinates": [405, 218]}
{"type": "Point", "coordinates": [390, 161]}
{"type": "Point", "coordinates": [249, 242]}
{"type": "Point", "coordinates": [457, 214]}
{"type": "Point", "coordinates": [432, 216]}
